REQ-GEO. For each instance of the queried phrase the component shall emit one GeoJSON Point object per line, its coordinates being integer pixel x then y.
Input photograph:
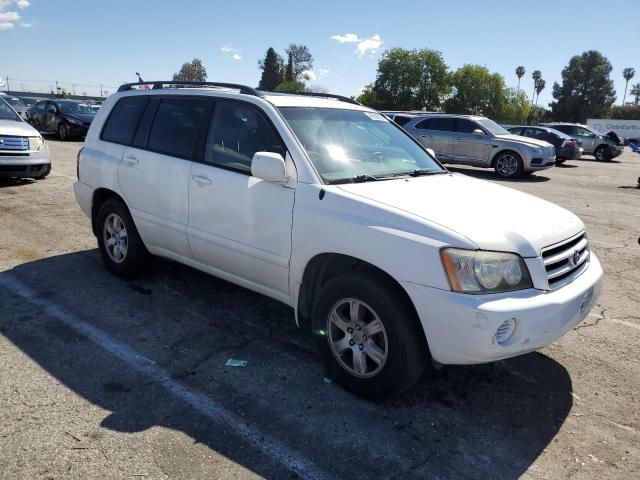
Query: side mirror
{"type": "Point", "coordinates": [478, 133]}
{"type": "Point", "coordinates": [431, 152]}
{"type": "Point", "coordinates": [269, 166]}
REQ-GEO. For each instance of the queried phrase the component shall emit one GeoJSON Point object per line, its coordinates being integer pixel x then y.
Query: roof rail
{"type": "Point", "coordinates": [329, 95]}
{"type": "Point", "coordinates": [158, 84]}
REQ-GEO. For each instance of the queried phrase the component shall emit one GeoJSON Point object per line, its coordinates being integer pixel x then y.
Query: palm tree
{"type": "Point", "coordinates": [539, 86]}
{"type": "Point", "coordinates": [536, 75]}
{"type": "Point", "coordinates": [628, 74]}
{"type": "Point", "coordinates": [635, 91]}
{"type": "Point", "coordinates": [520, 71]}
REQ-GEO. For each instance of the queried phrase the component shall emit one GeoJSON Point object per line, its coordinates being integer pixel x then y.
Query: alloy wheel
{"type": "Point", "coordinates": [116, 241]}
{"type": "Point", "coordinates": [507, 165]}
{"type": "Point", "coordinates": [357, 338]}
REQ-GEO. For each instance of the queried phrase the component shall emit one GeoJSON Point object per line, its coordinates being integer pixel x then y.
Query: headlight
{"type": "Point", "coordinates": [74, 121]}
{"type": "Point", "coordinates": [478, 272]}
{"type": "Point", "coordinates": [35, 143]}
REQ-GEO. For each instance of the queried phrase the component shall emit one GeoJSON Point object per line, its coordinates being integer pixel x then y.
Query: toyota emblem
{"type": "Point", "coordinates": [575, 258]}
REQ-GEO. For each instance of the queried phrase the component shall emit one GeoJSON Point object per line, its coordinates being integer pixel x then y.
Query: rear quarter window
{"type": "Point", "coordinates": [123, 120]}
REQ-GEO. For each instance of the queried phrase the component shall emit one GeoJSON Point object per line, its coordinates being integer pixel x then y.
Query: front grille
{"type": "Point", "coordinates": [566, 260]}
{"type": "Point", "coordinates": [13, 143]}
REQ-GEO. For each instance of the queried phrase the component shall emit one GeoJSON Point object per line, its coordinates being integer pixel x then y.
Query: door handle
{"type": "Point", "coordinates": [201, 180]}
{"type": "Point", "coordinates": [131, 160]}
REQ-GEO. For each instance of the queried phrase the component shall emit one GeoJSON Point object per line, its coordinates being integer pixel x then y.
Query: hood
{"type": "Point", "coordinates": [526, 140]}
{"type": "Point", "coordinates": [84, 117]}
{"type": "Point", "coordinates": [17, 129]}
{"type": "Point", "coordinates": [491, 216]}
{"type": "Point", "coordinates": [613, 136]}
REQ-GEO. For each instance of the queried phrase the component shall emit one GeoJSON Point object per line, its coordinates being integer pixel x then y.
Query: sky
{"type": "Point", "coordinates": [89, 43]}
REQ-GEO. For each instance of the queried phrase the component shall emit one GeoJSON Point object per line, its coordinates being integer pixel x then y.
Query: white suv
{"type": "Point", "coordinates": [331, 208]}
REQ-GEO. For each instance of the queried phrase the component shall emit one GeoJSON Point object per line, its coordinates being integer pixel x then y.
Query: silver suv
{"type": "Point", "coordinates": [478, 141]}
{"type": "Point", "coordinates": [603, 146]}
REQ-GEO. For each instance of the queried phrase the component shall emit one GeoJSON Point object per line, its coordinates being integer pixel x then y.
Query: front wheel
{"type": "Point", "coordinates": [63, 132]}
{"type": "Point", "coordinates": [121, 247]}
{"type": "Point", "coordinates": [368, 336]}
{"type": "Point", "coordinates": [603, 154]}
{"type": "Point", "coordinates": [45, 173]}
{"type": "Point", "coordinates": [509, 165]}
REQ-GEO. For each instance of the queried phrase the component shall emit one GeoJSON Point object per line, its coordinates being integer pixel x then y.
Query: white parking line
{"type": "Point", "coordinates": [272, 447]}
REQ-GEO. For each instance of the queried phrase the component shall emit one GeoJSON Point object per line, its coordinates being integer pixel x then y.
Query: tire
{"type": "Point", "coordinates": [508, 165]}
{"type": "Point", "coordinates": [63, 132]}
{"type": "Point", "coordinates": [123, 255]}
{"type": "Point", "coordinates": [397, 341]}
{"type": "Point", "coordinates": [560, 161]}
{"type": "Point", "coordinates": [44, 174]}
{"type": "Point", "coordinates": [603, 153]}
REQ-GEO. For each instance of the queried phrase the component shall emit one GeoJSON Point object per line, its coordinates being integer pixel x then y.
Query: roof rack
{"type": "Point", "coordinates": [158, 84]}
{"type": "Point", "coordinates": [329, 95]}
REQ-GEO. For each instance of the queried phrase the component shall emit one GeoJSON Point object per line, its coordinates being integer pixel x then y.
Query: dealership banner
{"type": "Point", "coordinates": [624, 128]}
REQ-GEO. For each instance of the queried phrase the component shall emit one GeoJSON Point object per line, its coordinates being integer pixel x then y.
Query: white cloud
{"type": "Point", "coordinates": [236, 53]}
{"type": "Point", "coordinates": [346, 38]}
{"type": "Point", "coordinates": [323, 72]}
{"type": "Point", "coordinates": [10, 18]}
{"type": "Point", "coordinates": [369, 45]}
{"type": "Point", "coordinates": [310, 74]}
{"type": "Point", "coordinates": [27, 24]}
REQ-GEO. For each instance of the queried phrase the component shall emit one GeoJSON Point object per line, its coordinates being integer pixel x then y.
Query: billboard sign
{"type": "Point", "coordinates": [623, 128]}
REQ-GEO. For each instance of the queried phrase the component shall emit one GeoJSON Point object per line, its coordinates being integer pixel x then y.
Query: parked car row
{"type": "Point", "coordinates": [519, 150]}
{"type": "Point", "coordinates": [65, 118]}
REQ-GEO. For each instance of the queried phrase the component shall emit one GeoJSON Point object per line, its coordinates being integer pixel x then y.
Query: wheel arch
{"type": "Point", "coordinates": [325, 266]}
{"type": "Point", "coordinates": [101, 195]}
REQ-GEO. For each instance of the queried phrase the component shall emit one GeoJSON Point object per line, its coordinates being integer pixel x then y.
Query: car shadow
{"type": "Point", "coordinates": [566, 165]}
{"type": "Point", "coordinates": [14, 182]}
{"type": "Point", "coordinates": [491, 175]}
{"type": "Point", "coordinates": [595, 160]}
{"type": "Point", "coordinates": [485, 421]}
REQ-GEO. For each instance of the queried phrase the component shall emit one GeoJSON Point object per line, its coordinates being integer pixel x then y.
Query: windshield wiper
{"type": "Point", "coordinates": [365, 177]}
{"type": "Point", "coordinates": [420, 171]}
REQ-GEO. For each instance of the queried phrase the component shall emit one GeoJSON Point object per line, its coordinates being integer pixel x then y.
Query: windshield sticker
{"type": "Point", "coordinates": [375, 116]}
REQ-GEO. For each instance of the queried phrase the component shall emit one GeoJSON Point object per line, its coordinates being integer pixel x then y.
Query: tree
{"type": "Point", "coordinates": [635, 91]}
{"type": "Point", "coordinates": [627, 74]}
{"type": "Point", "coordinates": [272, 70]}
{"type": "Point", "coordinates": [409, 80]}
{"type": "Point", "coordinates": [369, 98]}
{"type": "Point", "coordinates": [516, 108]}
{"type": "Point", "coordinates": [292, 86]}
{"type": "Point", "coordinates": [536, 76]}
{"type": "Point", "coordinates": [301, 61]}
{"type": "Point", "coordinates": [586, 90]}
{"type": "Point", "coordinates": [538, 115]}
{"type": "Point", "coordinates": [539, 86]}
{"type": "Point", "coordinates": [626, 112]}
{"type": "Point", "coordinates": [520, 71]}
{"type": "Point", "coordinates": [192, 71]}
{"type": "Point", "coordinates": [289, 72]}
{"type": "Point", "coordinates": [477, 91]}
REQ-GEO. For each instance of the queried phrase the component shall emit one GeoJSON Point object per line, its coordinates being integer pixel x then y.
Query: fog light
{"type": "Point", "coordinates": [505, 330]}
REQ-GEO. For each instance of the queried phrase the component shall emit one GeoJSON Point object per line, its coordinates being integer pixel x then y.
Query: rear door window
{"type": "Point", "coordinates": [583, 132]}
{"type": "Point", "coordinates": [237, 132]}
{"type": "Point", "coordinates": [515, 131]}
{"type": "Point", "coordinates": [123, 120]}
{"type": "Point", "coordinates": [441, 124]}
{"type": "Point", "coordinates": [177, 126]}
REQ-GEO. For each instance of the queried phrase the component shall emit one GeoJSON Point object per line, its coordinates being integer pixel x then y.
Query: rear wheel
{"type": "Point", "coordinates": [603, 153]}
{"type": "Point", "coordinates": [121, 247]}
{"type": "Point", "coordinates": [509, 165]}
{"type": "Point", "coordinates": [368, 336]}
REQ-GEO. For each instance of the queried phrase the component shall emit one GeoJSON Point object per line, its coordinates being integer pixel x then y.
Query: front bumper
{"type": "Point", "coordinates": [543, 162]}
{"type": "Point", "coordinates": [461, 329]}
{"type": "Point", "coordinates": [25, 165]}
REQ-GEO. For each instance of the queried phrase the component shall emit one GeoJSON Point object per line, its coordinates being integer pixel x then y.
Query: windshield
{"type": "Point", "coordinates": [72, 107]}
{"type": "Point", "coordinates": [14, 102]}
{"type": "Point", "coordinates": [346, 144]}
{"type": "Point", "coordinates": [8, 113]}
{"type": "Point", "coordinates": [493, 127]}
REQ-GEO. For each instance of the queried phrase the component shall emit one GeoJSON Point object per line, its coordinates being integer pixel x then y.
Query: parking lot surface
{"type": "Point", "coordinates": [106, 378]}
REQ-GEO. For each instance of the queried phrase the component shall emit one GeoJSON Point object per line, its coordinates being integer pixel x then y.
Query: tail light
{"type": "Point", "coordinates": [569, 142]}
{"type": "Point", "coordinates": [78, 163]}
